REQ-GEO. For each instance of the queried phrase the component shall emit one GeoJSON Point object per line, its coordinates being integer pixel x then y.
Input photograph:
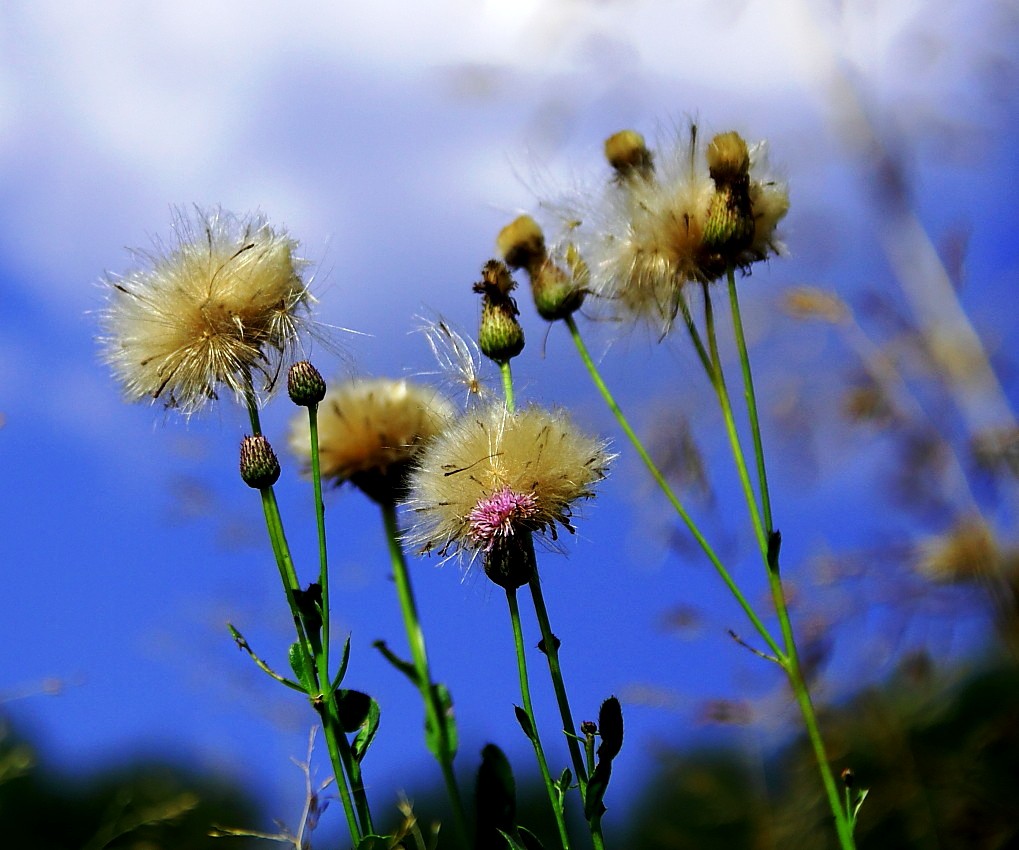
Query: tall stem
{"type": "Point", "coordinates": [525, 696]}
{"type": "Point", "coordinates": [659, 479]}
{"type": "Point", "coordinates": [751, 400]}
{"type": "Point", "coordinates": [340, 757]}
{"type": "Point", "coordinates": [551, 648]}
{"type": "Point", "coordinates": [790, 659]}
{"type": "Point", "coordinates": [438, 724]}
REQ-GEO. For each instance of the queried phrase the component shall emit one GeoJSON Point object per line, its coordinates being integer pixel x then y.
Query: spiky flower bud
{"type": "Point", "coordinates": [522, 244]}
{"type": "Point", "coordinates": [628, 154]}
{"type": "Point", "coordinates": [305, 384]}
{"type": "Point", "coordinates": [260, 467]}
{"type": "Point", "coordinates": [500, 336]}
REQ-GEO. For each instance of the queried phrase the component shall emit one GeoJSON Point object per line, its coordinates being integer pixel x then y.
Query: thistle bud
{"type": "Point", "coordinates": [628, 154]}
{"type": "Point", "coordinates": [728, 159]}
{"type": "Point", "coordinates": [305, 384]}
{"type": "Point", "coordinates": [556, 292]}
{"type": "Point", "coordinates": [522, 244]}
{"type": "Point", "coordinates": [260, 468]}
{"type": "Point", "coordinates": [500, 336]}
{"type": "Point", "coordinates": [729, 225]}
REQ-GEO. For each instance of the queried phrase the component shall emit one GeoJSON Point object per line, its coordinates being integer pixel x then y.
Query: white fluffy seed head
{"type": "Point", "coordinates": [224, 305]}
{"type": "Point", "coordinates": [494, 462]}
{"type": "Point", "coordinates": [370, 431]}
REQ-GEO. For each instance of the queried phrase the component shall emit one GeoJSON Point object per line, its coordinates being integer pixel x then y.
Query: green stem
{"type": "Point", "coordinates": [751, 400]}
{"type": "Point", "coordinates": [717, 377]}
{"type": "Point", "coordinates": [525, 695]}
{"type": "Point", "coordinates": [790, 659]}
{"type": "Point", "coordinates": [507, 384]}
{"type": "Point", "coordinates": [656, 474]}
{"type": "Point", "coordinates": [323, 559]}
{"type": "Point", "coordinates": [438, 724]}
{"type": "Point", "coordinates": [551, 648]}
{"type": "Point", "coordinates": [336, 741]}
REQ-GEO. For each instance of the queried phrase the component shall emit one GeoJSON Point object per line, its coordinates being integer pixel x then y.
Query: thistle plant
{"type": "Point", "coordinates": [225, 310]}
{"type": "Point", "coordinates": [669, 223]}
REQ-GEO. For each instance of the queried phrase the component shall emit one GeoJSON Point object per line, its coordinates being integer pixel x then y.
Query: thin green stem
{"type": "Point", "coordinates": [525, 696]}
{"type": "Point", "coordinates": [323, 559]}
{"type": "Point", "coordinates": [677, 505]}
{"type": "Point", "coordinates": [336, 742]}
{"type": "Point", "coordinates": [550, 646]}
{"type": "Point", "coordinates": [751, 400]}
{"type": "Point", "coordinates": [438, 723]}
{"type": "Point", "coordinates": [507, 384]}
{"type": "Point", "coordinates": [717, 377]}
{"type": "Point", "coordinates": [790, 660]}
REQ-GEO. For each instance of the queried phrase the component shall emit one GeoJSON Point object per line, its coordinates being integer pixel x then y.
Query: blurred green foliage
{"type": "Point", "coordinates": [143, 806]}
{"type": "Point", "coordinates": [940, 758]}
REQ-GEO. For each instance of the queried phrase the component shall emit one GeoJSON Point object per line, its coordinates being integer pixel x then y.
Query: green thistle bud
{"type": "Point", "coordinates": [729, 226]}
{"type": "Point", "coordinates": [500, 336]}
{"type": "Point", "coordinates": [522, 244]}
{"type": "Point", "coordinates": [260, 468]}
{"type": "Point", "coordinates": [628, 154]}
{"type": "Point", "coordinates": [558, 294]}
{"type": "Point", "coordinates": [305, 384]}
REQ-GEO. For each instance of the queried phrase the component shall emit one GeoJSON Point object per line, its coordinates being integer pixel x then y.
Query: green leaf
{"type": "Point", "coordinates": [565, 780]}
{"type": "Point", "coordinates": [353, 708]}
{"type": "Point", "coordinates": [524, 719]}
{"type": "Point", "coordinates": [300, 664]}
{"type": "Point", "coordinates": [495, 797]}
{"type": "Point", "coordinates": [511, 841]}
{"type": "Point", "coordinates": [404, 667]}
{"type": "Point", "coordinates": [367, 734]}
{"type": "Point", "coordinates": [610, 727]}
{"type": "Point", "coordinates": [343, 664]}
{"type": "Point", "coordinates": [530, 840]}
{"type": "Point", "coordinates": [447, 723]}
{"type": "Point", "coordinates": [596, 785]}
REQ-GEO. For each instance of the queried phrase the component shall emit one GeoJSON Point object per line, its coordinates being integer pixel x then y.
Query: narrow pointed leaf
{"type": "Point", "coordinates": [367, 734]}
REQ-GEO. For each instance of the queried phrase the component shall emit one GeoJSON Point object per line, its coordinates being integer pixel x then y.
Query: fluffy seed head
{"type": "Point", "coordinates": [495, 475]}
{"type": "Point", "coordinates": [645, 239]}
{"type": "Point", "coordinates": [223, 306]}
{"type": "Point", "coordinates": [370, 431]}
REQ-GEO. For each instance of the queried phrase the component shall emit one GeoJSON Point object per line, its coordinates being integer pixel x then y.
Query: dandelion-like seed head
{"type": "Point", "coordinates": [497, 475]}
{"type": "Point", "coordinates": [224, 306]}
{"type": "Point", "coordinates": [370, 431]}
{"type": "Point", "coordinates": [673, 215]}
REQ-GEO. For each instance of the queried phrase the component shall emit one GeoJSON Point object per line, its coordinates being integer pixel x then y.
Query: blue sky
{"type": "Point", "coordinates": [395, 148]}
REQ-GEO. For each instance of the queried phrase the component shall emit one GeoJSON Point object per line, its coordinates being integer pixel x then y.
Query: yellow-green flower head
{"type": "Point", "coordinates": [223, 306]}
{"type": "Point", "coordinates": [370, 431]}
{"type": "Point", "coordinates": [497, 474]}
{"type": "Point", "coordinates": [650, 233]}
